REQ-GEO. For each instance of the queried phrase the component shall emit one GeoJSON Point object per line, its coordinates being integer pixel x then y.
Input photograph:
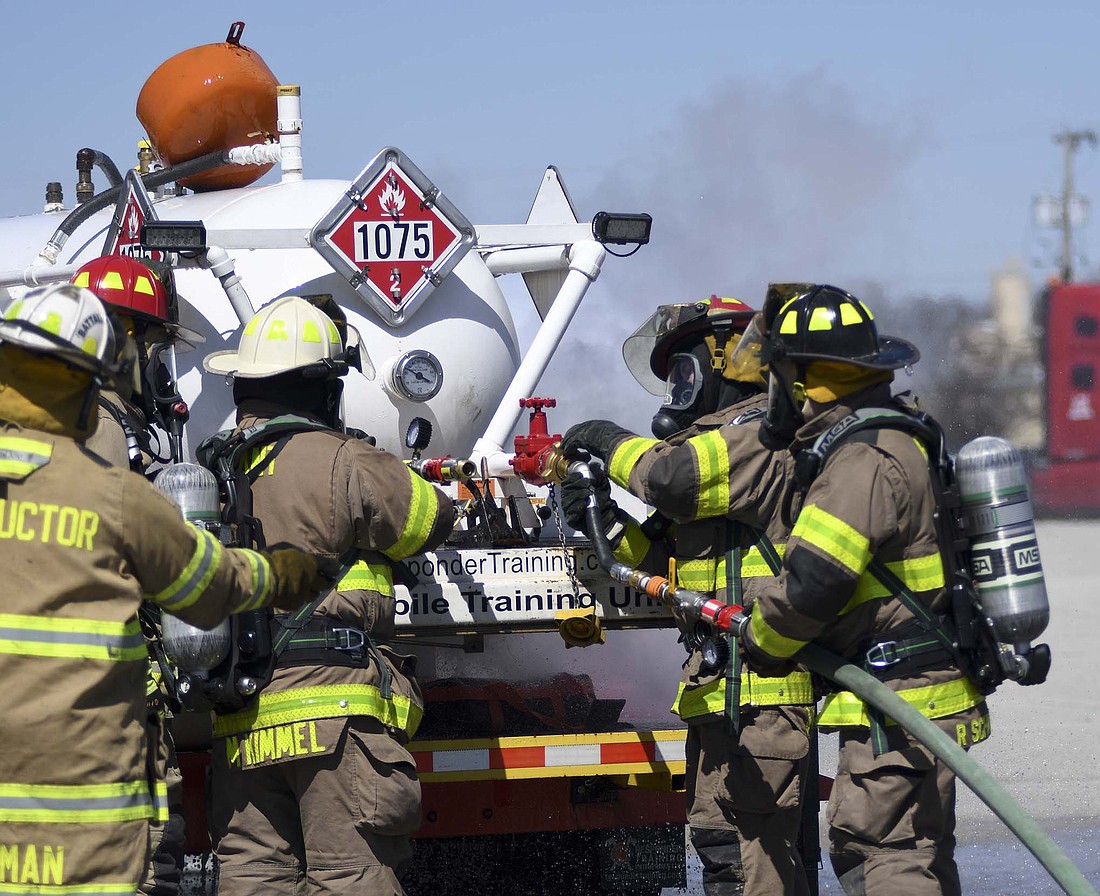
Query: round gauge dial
{"type": "Point", "coordinates": [418, 375]}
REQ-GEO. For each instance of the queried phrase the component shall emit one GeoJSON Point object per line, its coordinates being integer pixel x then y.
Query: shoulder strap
{"type": "Point", "coordinates": [223, 454]}
{"type": "Point", "coordinates": [809, 462]}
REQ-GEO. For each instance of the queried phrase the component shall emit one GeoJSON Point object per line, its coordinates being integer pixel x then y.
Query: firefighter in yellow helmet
{"type": "Point", "coordinates": [723, 494]}
{"type": "Point", "coordinates": [81, 543]}
{"type": "Point", "coordinates": [863, 576]}
{"type": "Point", "coordinates": [312, 781]}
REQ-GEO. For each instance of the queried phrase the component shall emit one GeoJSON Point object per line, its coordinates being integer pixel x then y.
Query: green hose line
{"type": "Point", "coordinates": [854, 679]}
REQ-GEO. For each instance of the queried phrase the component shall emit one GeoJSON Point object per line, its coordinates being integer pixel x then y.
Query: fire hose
{"type": "Point", "coordinates": [728, 617]}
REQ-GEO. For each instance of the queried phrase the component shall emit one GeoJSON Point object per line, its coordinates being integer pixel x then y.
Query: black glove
{"type": "Point", "coordinates": [574, 504]}
{"type": "Point", "coordinates": [598, 437]}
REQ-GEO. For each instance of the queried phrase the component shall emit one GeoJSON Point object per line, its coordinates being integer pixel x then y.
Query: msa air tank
{"type": "Point", "coordinates": [194, 490]}
{"type": "Point", "coordinates": [1004, 552]}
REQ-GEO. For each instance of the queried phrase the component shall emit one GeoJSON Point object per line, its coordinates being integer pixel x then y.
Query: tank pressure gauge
{"type": "Point", "coordinates": [418, 375]}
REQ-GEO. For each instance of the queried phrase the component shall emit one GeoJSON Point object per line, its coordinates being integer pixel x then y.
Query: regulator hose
{"type": "Point", "coordinates": [1027, 830]}
{"type": "Point", "coordinates": [852, 678]}
{"type": "Point", "coordinates": [107, 197]}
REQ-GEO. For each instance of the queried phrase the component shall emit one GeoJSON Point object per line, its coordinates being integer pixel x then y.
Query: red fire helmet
{"type": "Point", "coordinates": [126, 284]}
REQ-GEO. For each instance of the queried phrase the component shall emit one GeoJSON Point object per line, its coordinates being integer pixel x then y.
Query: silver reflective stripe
{"type": "Point", "coordinates": [19, 457]}
{"type": "Point", "coordinates": [87, 639]}
{"type": "Point", "coordinates": [191, 583]}
{"type": "Point", "coordinates": [52, 636]}
{"type": "Point", "coordinates": [75, 803]}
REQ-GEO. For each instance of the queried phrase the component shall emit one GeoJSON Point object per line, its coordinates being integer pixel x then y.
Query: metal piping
{"type": "Point", "coordinates": [585, 261]}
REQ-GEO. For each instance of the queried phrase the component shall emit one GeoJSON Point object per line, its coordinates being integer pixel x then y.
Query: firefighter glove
{"type": "Point", "coordinates": [598, 437]}
{"type": "Point", "coordinates": [575, 490]}
{"type": "Point", "coordinates": [297, 573]}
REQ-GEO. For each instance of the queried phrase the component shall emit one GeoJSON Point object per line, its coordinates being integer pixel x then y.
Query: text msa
{"type": "Point", "coordinates": [394, 241]}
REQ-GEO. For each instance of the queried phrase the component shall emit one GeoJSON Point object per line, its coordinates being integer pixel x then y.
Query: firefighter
{"type": "Point", "coordinates": [81, 543]}
{"type": "Point", "coordinates": [146, 307]}
{"type": "Point", "coordinates": [312, 782]}
{"type": "Point", "coordinates": [863, 550]}
{"type": "Point", "coordinates": [139, 300]}
{"type": "Point", "coordinates": [748, 743]}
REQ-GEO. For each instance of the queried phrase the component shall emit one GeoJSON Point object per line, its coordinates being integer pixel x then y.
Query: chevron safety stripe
{"type": "Point", "coordinates": [551, 756]}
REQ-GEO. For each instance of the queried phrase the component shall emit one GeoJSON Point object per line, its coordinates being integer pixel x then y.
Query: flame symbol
{"type": "Point", "coordinates": [392, 200]}
{"type": "Point", "coordinates": [133, 222]}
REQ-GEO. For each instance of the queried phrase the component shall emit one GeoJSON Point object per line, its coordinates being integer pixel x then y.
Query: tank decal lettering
{"type": "Point", "coordinates": [60, 524]}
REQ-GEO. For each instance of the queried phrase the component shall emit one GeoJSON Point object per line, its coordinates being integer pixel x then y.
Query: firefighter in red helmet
{"type": "Point", "coordinates": [125, 437]}
{"type": "Point", "coordinates": [145, 303]}
{"type": "Point", "coordinates": [719, 495]}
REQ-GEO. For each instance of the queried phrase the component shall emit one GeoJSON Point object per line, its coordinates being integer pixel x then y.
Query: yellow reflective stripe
{"type": "Point", "coordinates": [796, 689]}
{"type": "Point", "coordinates": [709, 573]}
{"type": "Point", "coordinates": [364, 576]}
{"type": "Point", "coordinates": [769, 640]}
{"type": "Point", "coordinates": [196, 576]}
{"type": "Point", "coordinates": [74, 803]}
{"type": "Point", "coordinates": [160, 801]}
{"type": "Point", "coordinates": [833, 536]}
{"type": "Point", "coordinates": [625, 457]}
{"type": "Point", "coordinates": [60, 637]}
{"type": "Point", "coordinates": [112, 889]}
{"type": "Point", "coordinates": [699, 575]}
{"type": "Point", "coordinates": [19, 456]}
{"type": "Point", "coordinates": [844, 709]}
{"type": "Point", "coordinates": [754, 566]}
{"type": "Point", "coordinates": [257, 456]}
{"type": "Point", "coordinates": [714, 474]}
{"type": "Point", "coordinates": [918, 574]}
{"type": "Point", "coordinates": [634, 545]}
{"type": "Point", "coordinates": [423, 509]}
{"type": "Point", "coordinates": [261, 580]}
{"type": "Point", "coordinates": [322, 702]}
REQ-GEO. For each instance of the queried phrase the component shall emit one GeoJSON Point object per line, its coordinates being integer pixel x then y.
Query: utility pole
{"type": "Point", "coordinates": [1069, 141]}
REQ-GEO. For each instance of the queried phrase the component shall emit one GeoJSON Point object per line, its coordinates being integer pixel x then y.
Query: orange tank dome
{"type": "Point", "coordinates": [206, 99]}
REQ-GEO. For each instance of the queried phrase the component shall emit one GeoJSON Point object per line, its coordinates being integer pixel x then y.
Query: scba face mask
{"type": "Point", "coordinates": [683, 396]}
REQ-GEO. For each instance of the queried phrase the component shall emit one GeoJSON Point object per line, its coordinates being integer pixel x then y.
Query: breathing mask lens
{"type": "Point", "coordinates": [684, 383]}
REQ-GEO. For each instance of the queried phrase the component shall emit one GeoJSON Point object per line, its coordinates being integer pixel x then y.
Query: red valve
{"type": "Point", "coordinates": [533, 449]}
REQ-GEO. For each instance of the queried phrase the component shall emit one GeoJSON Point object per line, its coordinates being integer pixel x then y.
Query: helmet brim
{"type": "Point", "coordinates": [229, 363]}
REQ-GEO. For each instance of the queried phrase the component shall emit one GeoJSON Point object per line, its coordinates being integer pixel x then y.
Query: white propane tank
{"type": "Point", "coordinates": [194, 490]}
{"type": "Point", "coordinates": [1004, 551]}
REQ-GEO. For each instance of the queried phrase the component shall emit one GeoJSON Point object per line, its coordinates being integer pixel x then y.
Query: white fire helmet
{"type": "Point", "coordinates": [289, 334]}
{"type": "Point", "coordinates": [65, 321]}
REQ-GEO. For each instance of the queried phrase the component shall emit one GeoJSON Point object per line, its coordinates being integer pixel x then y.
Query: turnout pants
{"type": "Point", "coordinates": [892, 819]}
{"type": "Point", "coordinates": [166, 837]}
{"type": "Point", "coordinates": [333, 823]}
{"type": "Point", "coordinates": [744, 798]}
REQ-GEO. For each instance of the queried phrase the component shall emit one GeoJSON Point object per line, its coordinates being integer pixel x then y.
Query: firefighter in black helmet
{"type": "Point", "coordinates": [862, 565]}
{"type": "Point", "coordinates": [718, 494]}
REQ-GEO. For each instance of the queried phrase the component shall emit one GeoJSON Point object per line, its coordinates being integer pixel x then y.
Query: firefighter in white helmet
{"type": "Point", "coordinates": [719, 496]}
{"type": "Point", "coordinates": [81, 543]}
{"type": "Point", "coordinates": [312, 780]}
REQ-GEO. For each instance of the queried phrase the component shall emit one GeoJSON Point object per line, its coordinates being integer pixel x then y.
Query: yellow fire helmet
{"type": "Point", "coordinates": [290, 334]}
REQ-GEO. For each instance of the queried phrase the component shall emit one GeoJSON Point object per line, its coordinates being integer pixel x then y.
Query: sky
{"type": "Point", "coordinates": [886, 143]}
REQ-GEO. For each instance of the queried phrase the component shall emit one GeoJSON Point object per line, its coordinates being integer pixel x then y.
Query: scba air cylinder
{"type": "Point", "coordinates": [1004, 551]}
{"type": "Point", "coordinates": [195, 491]}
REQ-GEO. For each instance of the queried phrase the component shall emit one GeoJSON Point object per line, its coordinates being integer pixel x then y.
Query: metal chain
{"type": "Point", "coordinates": [570, 564]}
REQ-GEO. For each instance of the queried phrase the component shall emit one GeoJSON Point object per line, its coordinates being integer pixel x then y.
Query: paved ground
{"type": "Point", "coordinates": [1045, 748]}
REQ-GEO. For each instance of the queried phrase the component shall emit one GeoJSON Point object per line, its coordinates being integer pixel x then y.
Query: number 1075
{"type": "Point", "coordinates": [393, 241]}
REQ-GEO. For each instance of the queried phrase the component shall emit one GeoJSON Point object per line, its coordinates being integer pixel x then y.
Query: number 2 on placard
{"type": "Point", "coordinates": [389, 241]}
